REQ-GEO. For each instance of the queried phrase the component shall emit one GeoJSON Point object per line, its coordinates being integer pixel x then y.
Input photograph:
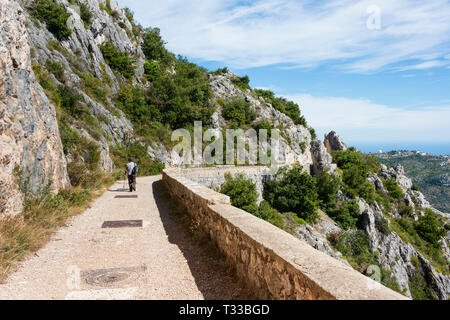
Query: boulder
{"type": "Point", "coordinates": [333, 142]}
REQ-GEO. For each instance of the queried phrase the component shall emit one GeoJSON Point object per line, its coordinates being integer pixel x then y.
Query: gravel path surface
{"type": "Point", "coordinates": [160, 260]}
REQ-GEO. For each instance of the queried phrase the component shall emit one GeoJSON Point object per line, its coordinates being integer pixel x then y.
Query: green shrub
{"type": "Point", "coordinates": [129, 14]}
{"type": "Point", "coordinates": [346, 215]}
{"type": "Point", "coordinates": [312, 131]}
{"type": "Point", "coordinates": [429, 228]}
{"type": "Point", "coordinates": [242, 82]}
{"type": "Point", "coordinates": [94, 87]}
{"type": "Point", "coordinates": [133, 102]}
{"type": "Point", "coordinates": [327, 188]}
{"type": "Point", "coordinates": [153, 46]}
{"type": "Point", "coordinates": [79, 147]}
{"type": "Point", "coordinates": [404, 210]}
{"type": "Point", "coordinates": [151, 70]}
{"type": "Point", "coordinates": [351, 156]}
{"type": "Point", "coordinates": [106, 7]}
{"type": "Point", "coordinates": [69, 101]}
{"type": "Point", "coordinates": [57, 69]}
{"type": "Point", "coordinates": [293, 190]}
{"type": "Point", "coordinates": [383, 226]}
{"type": "Point", "coordinates": [55, 17]}
{"type": "Point", "coordinates": [264, 125]}
{"type": "Point", "coordinates": [85, 14]}
{"type": "Point", "coordinates": [406, 228]}
{"type": "Point", "coordinates": [367, 192]}
{"type": "Point", "coordinates": [238, 112]}
{"type": "Point", "coordinates": [43, 77]}
{"type": "Point", "coordinates": [105, 76]}
{"type": "Point", "coordinates": [415, 187]}
{"type": "Point", "coordinates": [183, 97]}
{"type": "Point", "coordinates": [419, 288]}
{"type": "Point", "coordinates": [147, 166]}
{"type": "Point", "coordinates": [392, 187]}
{"type": "Point", "coordinates": [69, 137]}
{"type": "Point", "coordinates": [355, 246]}
{"type": "Point", "coordinates": [289, 108]}
{"type": "Point", "coordinates": [220, 71]}
{"type": "Point", "coordinates": [355, 170]}
{"type": "Point", "coordinates": [269, 214]}
{"type": "Point", "coordinates": [118, 61]}
{"type": "Point", "coordinates": [242, 192]}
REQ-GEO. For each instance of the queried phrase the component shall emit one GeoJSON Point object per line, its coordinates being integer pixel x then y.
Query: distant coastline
{"type": "Point", "coordinates": [438, 149]}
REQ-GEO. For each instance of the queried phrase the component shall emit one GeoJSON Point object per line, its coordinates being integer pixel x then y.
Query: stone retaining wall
{"type": "Point", "coordinates": [272, 263]}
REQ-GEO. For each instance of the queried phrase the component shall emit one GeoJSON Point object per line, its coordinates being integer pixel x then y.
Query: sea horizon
{"type": "Point", "coordinates": [433, 148]}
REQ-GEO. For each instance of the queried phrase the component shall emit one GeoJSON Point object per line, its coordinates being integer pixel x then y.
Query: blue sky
{"type": "Point", "coordinates": [374, 71]}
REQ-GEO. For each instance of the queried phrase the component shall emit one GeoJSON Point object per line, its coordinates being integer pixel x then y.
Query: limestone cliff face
{"type": "Point", "coordinates": [29, 136]}
{"type": "Point", "coordinates": [80, 53]}
{"type": "Point", "coordinates": [295, 141]}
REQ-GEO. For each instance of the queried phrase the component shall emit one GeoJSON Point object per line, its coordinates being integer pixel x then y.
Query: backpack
{"type": "Point", "coordinates": [135, 170]}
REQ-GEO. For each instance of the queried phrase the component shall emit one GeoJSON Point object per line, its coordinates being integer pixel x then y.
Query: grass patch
{"type": "Point", "coordinates": [405, 227]}
{"type": "Point", "coordinates": [28, 232]}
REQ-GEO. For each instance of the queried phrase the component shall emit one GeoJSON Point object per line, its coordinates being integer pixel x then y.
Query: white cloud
{"type": "Point", "coordinates": [301, 33]}
{"type": "Point", "coordinates": [363, 120]}
{"type": "Point", "coordinates": [425, 65]}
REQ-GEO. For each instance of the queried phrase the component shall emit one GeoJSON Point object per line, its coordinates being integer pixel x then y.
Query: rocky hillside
{"type": "Point", "coordinates": [83, 86]}
{"type": "Point", "coordinates": [112, 89]}
{"type": "Point", "coordinates": [429, 173]}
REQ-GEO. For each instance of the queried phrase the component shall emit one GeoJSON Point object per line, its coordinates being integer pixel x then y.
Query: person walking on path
{"type": "Point", "coordinates": [131, 170]}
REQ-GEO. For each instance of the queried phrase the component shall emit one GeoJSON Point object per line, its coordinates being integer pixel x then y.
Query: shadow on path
{"type": "Point", "coordinates": [213, 280]}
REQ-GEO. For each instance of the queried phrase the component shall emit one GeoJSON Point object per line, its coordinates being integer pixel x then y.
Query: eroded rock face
{"type": "Point", "coordinates": [322, 159]}
{"type": "Point", "coordinates": [397, 173]}
{"type": "Point", "coordinates": [397, 256]}
{"type": "Point", "coordinates": [80, 53]}
{"type": "Point", "coordinates": [294, 145]}
{"type": "Point", "coordinates": [333, 142]}
{"type": "Point", "coordinates": [29, 138]}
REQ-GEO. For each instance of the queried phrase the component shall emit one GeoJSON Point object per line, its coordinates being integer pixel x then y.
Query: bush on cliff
{"type": "Point", "coordinates": [238, 112]}
{"type": "Point", "coordinates": [289, 108]}
{"type": "Point", "coordinates": [54, 16]}
{"type": "Point", "coordinates": [151, 70]}
{"type": "Point", "coordinates": [327, 188]}
{"type": "Point", "coordinates": [355, 246]}
{"type": "Point", "coordinates": [293, 190]}
{"type": "Point", "coordinates": [182, 97]}
{"type": "Point", "coordinates": [355, 170]}
{"type": "Point", "coordinates": [269, 214]}
{"type": "Point", "coordinates": [153, 46]}
{"type": "Point", "coordinates": [85, 15]}
{"type": "Point", "coordinates": [429, 228]}
{"type": "Point", "coordinates": [392, 187]}
{"type": "Point", "coordinates": [346, 215]}
{"type": "Point", "coordinates": [242, 193]}
{"type": "Point", "coordinates": [242, 83]}
{"type": "Point", "coordinates": [117, 60]}
{"type": "Point", "coordinates": [57, 69]}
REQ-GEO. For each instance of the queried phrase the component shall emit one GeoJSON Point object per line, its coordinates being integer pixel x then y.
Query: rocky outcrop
{"type": "Point", "coordinates": [333, 142]}
{"type": "Point", "coordinates": [398, 257]}
{"type": "Point", "coordinates": [397, 173]}
{"type": "Point", "coordinates": [30, 145]}
{"type": "Point", "coordinates": [295, 140]}
{"type": "Point", "coordinates": [322, 160]}
{"type": "Point", "coordinates": [377, 183]}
